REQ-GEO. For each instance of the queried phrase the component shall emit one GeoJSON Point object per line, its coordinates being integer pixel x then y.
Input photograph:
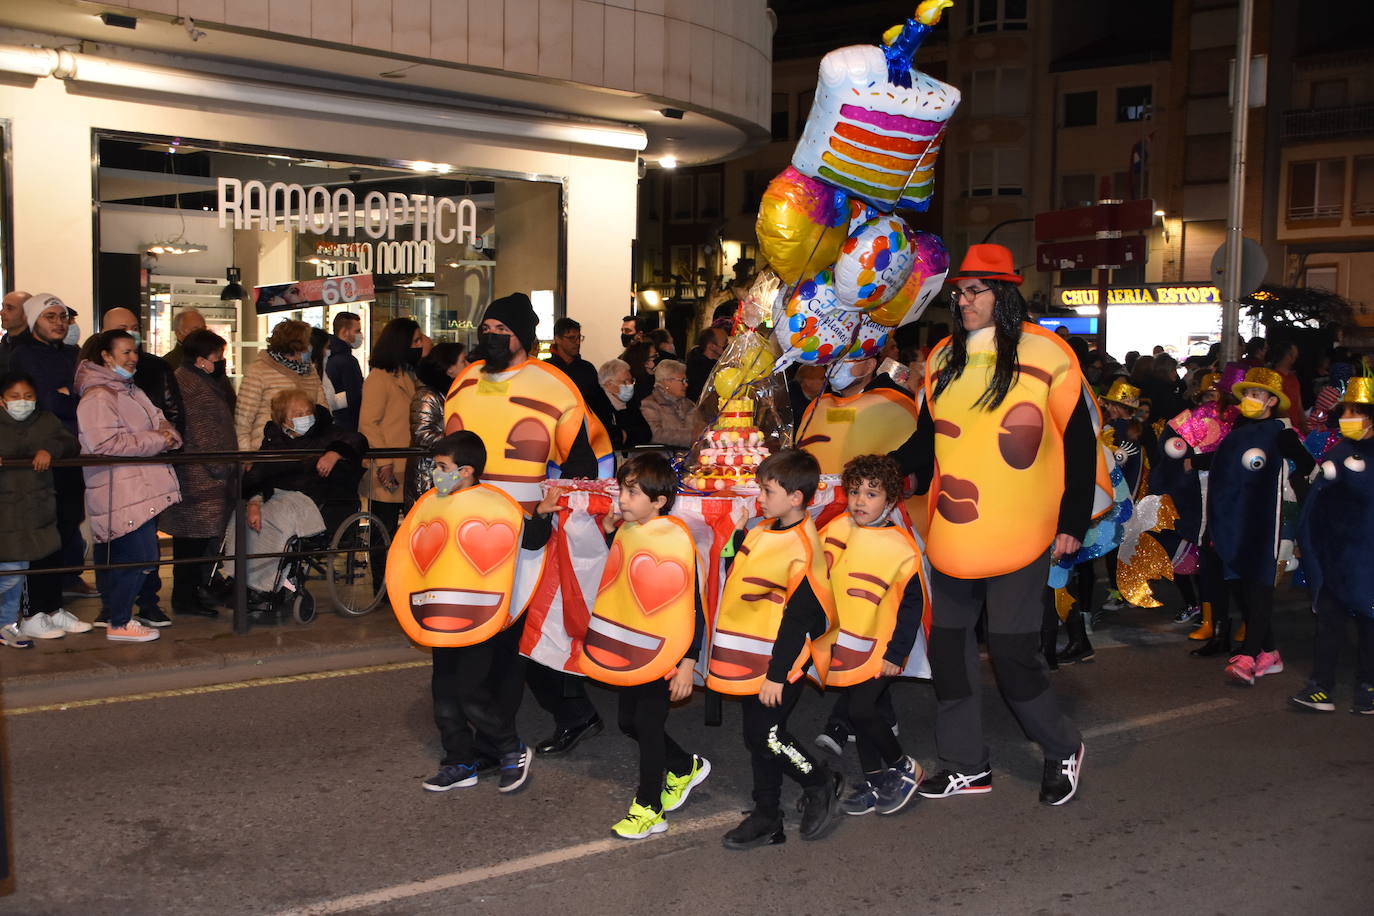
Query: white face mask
{"type": "Point", "coordinates": [73, 334]}
{"type": "Point", "coordinates": [626, 391]}
{"type": "Point", "coordinates": [302, 425]}
{"type": "Point", "coordinates": [356, 342]}
{"type": "Point", "coordinates": [843, 375]}
{"type": "Point", "coordinates": [21, 410]}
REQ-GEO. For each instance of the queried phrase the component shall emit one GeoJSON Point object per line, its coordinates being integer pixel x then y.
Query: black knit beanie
{"type": "Point", "coordinates": [516, 313]}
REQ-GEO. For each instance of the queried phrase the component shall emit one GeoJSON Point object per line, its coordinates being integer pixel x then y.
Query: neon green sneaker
{"type": "Point", "coordinates": [676, 788]}
{"type": "Point", "coordinates": [639, 823]}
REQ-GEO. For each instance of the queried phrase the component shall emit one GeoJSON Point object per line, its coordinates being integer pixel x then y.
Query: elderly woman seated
{"type": "Point", "coordinates": [286, 498]}
{"type": "Point", "coordinates": [672, 418]}
{"type": "Point", "coordinates": [630, 429]}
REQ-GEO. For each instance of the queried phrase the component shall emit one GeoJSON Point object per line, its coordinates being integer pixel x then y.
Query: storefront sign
{"type": "Point", "coordinates": [292, 207]}
{"type": "Point", "coordinates": [333, 259]}
{"type": "Point", "coordinates": [280, 297]}
{"type": "Point", "coordinates": [1143, 295]}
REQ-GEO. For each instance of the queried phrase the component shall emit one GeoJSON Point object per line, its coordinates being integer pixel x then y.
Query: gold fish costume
{"type": "Point", "coordinates": [837, 429]}
{"type": "Point", "coordinates": [769, 567]}
{"type": "Point", "coordinates": [451, 568]}
{"type": "Point", "coordinates": [530, 417]}
{"type": "Point", "coordinates": [869, 572]}
{"type": "Point", "coordinates": [992, 466]}
{"type": "Point", "coordinates": [644, 618]}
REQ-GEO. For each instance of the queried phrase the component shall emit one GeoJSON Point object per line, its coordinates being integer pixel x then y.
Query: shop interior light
{"type": "Point", "coordinates": [668, 162]}
{"type": "Point", "coordinates": [1087, 310]}
{"type": "Point", "coordinates": [1159, 213]}
{"type": "Point", "coordinates": [651, 298]}
{"type": "Point", "coordinates": [438, 168]}
{"type": "Point", "coordinates": [178, 245]}
{"type": "Point", "coordinates": [233, 289]}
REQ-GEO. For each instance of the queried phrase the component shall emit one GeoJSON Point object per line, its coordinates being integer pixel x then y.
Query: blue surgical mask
{"type": "Point", "coordinates": [73, 334]}
{"type": "Point", "coordinates": [138, 339]}
{"type": "Point", "coordinates": [446, 482]}
{"type": "Point", "coordinates": [123, 373]}
{"type": "Point", "coordinates": [302, 425]}
{"type": "Point", "coordinates": [626, 392]}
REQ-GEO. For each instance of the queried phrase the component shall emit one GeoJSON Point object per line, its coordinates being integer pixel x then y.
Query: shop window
{"type": "Point", "coordinates": [997, 92]}
{"type": "Point", "coordinates": [1080, 108]}
{"type": "Point", "coordinates": [755, 183]}
{"type": "Point", "coordinates": [1327, 278]}
{"type": "Point", "coordinates": [1133, 103]}
{"type": "Point", "coordinates": [1329, 93]}
{"type": "Point", "coordinates": [1077, 191]}
{"type": "Point", "coordinates": [997, 15]}
{"type": "Point", "coordinates": [1316, 189]}
{"type": "Point", "coordinates": [782, 122]}
{"type": "Point", "coordinates": [1363, 202]}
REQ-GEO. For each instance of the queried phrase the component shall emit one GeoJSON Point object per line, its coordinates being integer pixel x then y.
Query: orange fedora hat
{"type": "Point", "coordinates": [988, 262]}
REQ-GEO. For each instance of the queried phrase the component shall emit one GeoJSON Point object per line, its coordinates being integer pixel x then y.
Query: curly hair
{"type": "Point", "coordinates": [879, 469]}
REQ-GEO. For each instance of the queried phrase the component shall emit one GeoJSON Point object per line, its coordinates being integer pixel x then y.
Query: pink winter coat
{"type": "Point", "coordinates": [116, 418]}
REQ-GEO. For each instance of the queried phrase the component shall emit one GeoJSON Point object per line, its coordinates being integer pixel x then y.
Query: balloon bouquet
{"type": "Point", "coordinates": [844, 269]}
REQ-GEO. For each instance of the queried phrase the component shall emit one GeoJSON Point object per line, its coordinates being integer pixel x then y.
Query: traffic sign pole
{"type": "Point", "coordinates": [1102, 286]}
{"type": "Point", "coordinates": [1230, 309]}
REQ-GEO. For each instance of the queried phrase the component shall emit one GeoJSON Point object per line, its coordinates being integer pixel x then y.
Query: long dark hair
{"type": "Point", "coordinates": [1008, 311]}
{"type": "Point", "coordinates": [432, 370]}
{"type": "Point", "coordinates": [391, 352]}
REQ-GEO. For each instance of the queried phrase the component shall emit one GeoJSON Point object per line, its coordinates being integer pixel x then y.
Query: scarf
{"type": "Point", "coordinates": [298, 366]}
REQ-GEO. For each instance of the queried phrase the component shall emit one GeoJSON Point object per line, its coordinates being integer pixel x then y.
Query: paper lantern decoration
{"type": "Point", "coordinates": [922, 285]}
{"type": "Point", "coordinates": [876, 124]}
{"type": "Point", "coordinates": [874, 263]}
{"type": "Point", "coordinates": [801, 225]}
{"type": "Point", "coordinates": [814, 330]}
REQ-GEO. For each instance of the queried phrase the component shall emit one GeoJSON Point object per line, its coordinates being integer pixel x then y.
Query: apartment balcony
{"type": "Point", "coordinates": [1328, 123]}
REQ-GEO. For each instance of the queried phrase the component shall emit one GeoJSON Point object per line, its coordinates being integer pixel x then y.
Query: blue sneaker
{"type": "Point", "coordinates": [898, 785]}
{"type": "Point", "coordinates": [451, 776]}
{"type": "Point", "coordinates": [1364, 700]}
{"type": "Point", "coordinates": [862, 799]}
{"type": "Point", "coordinates": [515, 769]}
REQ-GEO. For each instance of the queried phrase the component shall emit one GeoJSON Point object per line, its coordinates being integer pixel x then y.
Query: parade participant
{"type": "Point", "coordinates": [878, 583]}
{"type": "Point", "coordinates": [1126, 436]}
{"type": "Point", "coordinates": [451, 575]}
{"type": "Point", "coordinates": [1007, 445]}
{"type": "Point", "coordinates": [1246, 482]}
{"type": "Point", "coordinates": [774, 617]}
{"type": "Point", "coordinates": [539, 427]}
{"type": "Point", "coordinates": [862, 414]}
{"type": "Point", "coordinates": [1335, 531]}
{"type": "Point", "coordinates": [645, 633]}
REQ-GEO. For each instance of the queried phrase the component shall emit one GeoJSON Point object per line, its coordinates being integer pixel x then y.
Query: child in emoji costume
{"type": "Point", "coordinates": [1007, 440]}
{"type": "Point", "coordinates": [878, 582]}
{"type": "Point", "coordinates": [775, 616]}
{"type": "Point", "coordinates": [645, 633]}
{"type": "Point", "coordinates": [451, 576]}
{"type": "Point", "coordinates": [1335, 531]}
{"type": "Point", "coordinates": [1248, 474]}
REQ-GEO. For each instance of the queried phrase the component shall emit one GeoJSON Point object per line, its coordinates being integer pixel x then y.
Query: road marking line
{"type": "Point", "coordinates": [389, 895]}
{"type": "Point", "coordinates": [1182, 712]}
{"type": "Point", "coordinates": [215, 688]}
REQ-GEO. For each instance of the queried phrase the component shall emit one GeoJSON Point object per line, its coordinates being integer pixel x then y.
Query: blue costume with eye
{"type": "Point", "coordinates": [1168, 477]}
{"type": "Point", "coordinates": [1245, 499]}
{"type": "Point", "coordinates": [1337, 527]}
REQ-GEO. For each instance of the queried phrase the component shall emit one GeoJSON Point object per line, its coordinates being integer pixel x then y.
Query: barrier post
{"type": "Point", "coordinates": [240, 564]}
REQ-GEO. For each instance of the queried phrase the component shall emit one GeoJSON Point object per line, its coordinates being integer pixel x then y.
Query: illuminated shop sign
{"type": "Point", "coordinates": [292, 207]}
{"type": "Point", "coordinates": [1143, 295]}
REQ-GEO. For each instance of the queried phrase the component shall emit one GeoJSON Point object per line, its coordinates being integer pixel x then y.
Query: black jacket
{"type": "Point", "coordinates": [346, 375]}
{"type": "Point", "coordinates": [699, 367]}
{"type": "Point", "coordinates": [264, 478]}
{"type": "Point", "coordinates": [583, 375]}
{"type": "Point", "coordinates": [157, 379]}
{"type": "Point", "coordinates": [53, 367]}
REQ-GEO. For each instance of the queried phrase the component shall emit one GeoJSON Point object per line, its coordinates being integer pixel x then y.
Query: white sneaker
{"type": "Point", "coordinates": [39, 626]}
{"type": "Point", "coordinates": [68, 622]}
{"type": "Point", "coordinates": [133, 631]}
{"type": "Point", "coordinates": [10, 636]}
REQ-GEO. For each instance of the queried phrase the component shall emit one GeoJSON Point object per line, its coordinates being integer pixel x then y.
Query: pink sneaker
{"type": "Point", "coordinates": [1242, 668]}
{"type": "Point", "coordinates": [1268, 663]}
{"type": "Point", "coordinates": [133, 631]}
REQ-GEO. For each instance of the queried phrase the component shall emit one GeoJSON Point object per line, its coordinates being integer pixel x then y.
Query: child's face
{"type": "Point", "coordinates": [777, 502]}
{"type": "Point", "coordinates": [868, 502]}
{"type": "Point", "coordinates": [445, 464]}
{"type": "Point", "coordinates": [20, 391]}
{"type": "Point", "coordinates": [635, 505]}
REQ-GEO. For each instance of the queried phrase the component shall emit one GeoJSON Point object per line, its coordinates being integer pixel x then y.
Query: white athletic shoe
{"type": "Point", "coordinates": [39, 626]}
{"type": "Point", "coordinates": [68, 622]}
{"type": "Point", "coordinates": [10, 636]}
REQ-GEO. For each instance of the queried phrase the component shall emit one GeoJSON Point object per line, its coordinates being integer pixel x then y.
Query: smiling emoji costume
{"type": "Point", "coordinates": [869, 572]}
{"type": "Point", "coordinates": [644, 619]}
{"type": "Point", "coordinates": [769, 567]}
{"type": "Point", "coordinates": [452, 567]}
{"type": "Point", "coordinates": [875, 422]}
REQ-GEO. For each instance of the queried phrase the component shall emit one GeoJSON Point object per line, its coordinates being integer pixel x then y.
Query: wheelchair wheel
{"type": "Point", "coordinates": [303, 607]}
{"type": "Point", "coordinates": [363, 541]}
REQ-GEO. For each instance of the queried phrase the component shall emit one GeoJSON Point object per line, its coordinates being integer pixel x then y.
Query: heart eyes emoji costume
{"type": "Point", "coordinates": [451, 569]}
{"type": "Point", "coordinates": [644, 619]}
{"type": "Point", "coordinates": [870, 571]}
{"type": "Point", "coordinates": [770, 566]}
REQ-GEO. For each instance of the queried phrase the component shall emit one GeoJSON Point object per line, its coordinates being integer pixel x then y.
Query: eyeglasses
{"type": "Point", "coordinates": [956, 294]}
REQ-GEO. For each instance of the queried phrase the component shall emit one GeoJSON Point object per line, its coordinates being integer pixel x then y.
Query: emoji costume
{"type": "Point", "coordinates": [874, 422]}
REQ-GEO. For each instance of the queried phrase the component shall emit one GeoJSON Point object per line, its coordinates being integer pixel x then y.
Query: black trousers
{"type": "Point", "coordinates": [476, 692]}
{"type": "Point", "coordinates": [1187, 589]}
{"type": "Point", "coordinates": [643, 715]}
{"type": "Point", "coordinates": [840, 715]}
{"type": "Point", "coordinates": [1331, 618]}
{"type": "Point", "coordinates": [1256, 600]}
{"type": "Point", "coordinates": [389, 514]}
{"type": "Point", "coordinates": [185, 577]}
{"type": "Point", "coordinates": [1214, 590]}
{"type": "Point", "coordinates": [1015, 610]}
{"type": "Point", "coordinates": [45, 592]}
{"type": "Point", "coordinates": [773, 751]}
{"type": "Point", "coordinates": [562, 695]}
{"type": "Point", "coordinates": [879, 749]}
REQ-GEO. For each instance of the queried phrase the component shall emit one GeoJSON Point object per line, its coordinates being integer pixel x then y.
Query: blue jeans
{"type": "Point", "coordinates": [139, 545]}
{"type": "Point", "coordinates": [11, 591]}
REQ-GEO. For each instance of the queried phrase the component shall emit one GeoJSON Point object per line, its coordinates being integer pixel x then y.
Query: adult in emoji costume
{"type": "Point", "coordinates": [1335, 531]}
{"type": "Point", "coordinates": [861, 414]}
{"type": "Point", "coordinates": [535, 425]}
{"type": "Point", "coordinates": [1008, 448]}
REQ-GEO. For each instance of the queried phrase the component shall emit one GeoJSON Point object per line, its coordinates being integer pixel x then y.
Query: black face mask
{"type": "Point", "coordinates": [495, 349]}
{"type": "Point", "coordinates": [221, 367]}
{"type": "Point", "coordinates": [412, 356]}
{"type": "Point", "coordinates": [626, 340]}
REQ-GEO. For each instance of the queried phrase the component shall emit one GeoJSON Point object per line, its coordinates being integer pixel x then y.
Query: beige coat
{"type": "Point", "coordinates": [264, 378]}
{"type": "Point", "coordinates": [385, 421]}
{"type": "Point", "coordinates": [673, 421]}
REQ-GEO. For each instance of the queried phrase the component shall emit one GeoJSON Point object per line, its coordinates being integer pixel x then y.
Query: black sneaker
{"type": "Point", "coordinates": [1313, 696]}
{"type": "Point", "coordinates": [820, 807]}
{"type": "Point", "coordinates": [515, 769]}
{"type": "Point", "coordinates": [834, 738]}
{"type": "Point", "coordinates": [1076, 651]}
{"type": "Point", "coordinates": [153, 617]}
{"type": "Point", "coordinates": [759, 828]}
{"type": "Point", "coordinates": [947, 782]}
{"type": "Point", "coordinates": [451, 776]}
{"type": "Point", "coordinates": [1060, 782]}
{"type": "Point", "coordinates": [1364, 700]}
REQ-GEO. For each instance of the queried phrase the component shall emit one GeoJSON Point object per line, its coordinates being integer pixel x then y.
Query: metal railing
{"type": "Point", "coordinates": [234, 489]}
{"type": "Point", "coordinates": [1317, 123]}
